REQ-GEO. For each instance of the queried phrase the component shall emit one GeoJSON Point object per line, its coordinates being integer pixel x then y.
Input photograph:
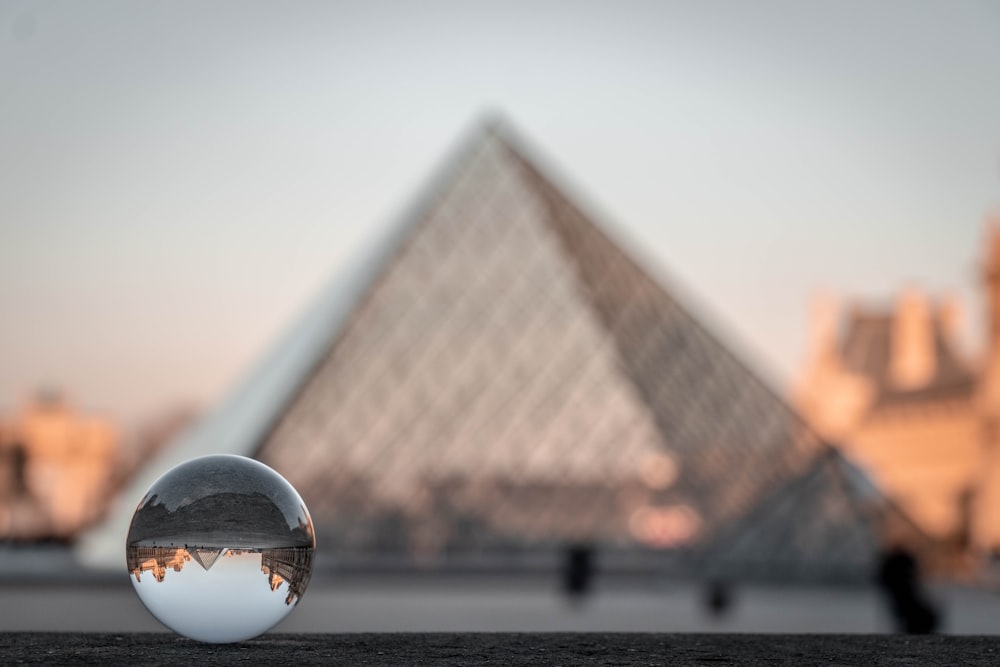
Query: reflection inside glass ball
{"type": "Point", "coordinates": [220, 549]}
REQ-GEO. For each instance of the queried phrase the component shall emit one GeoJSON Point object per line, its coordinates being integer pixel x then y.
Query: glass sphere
{"type": "Point", "coordinates": [220, 549]}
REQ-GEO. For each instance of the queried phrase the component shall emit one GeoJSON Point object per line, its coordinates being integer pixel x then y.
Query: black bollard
{"type": "Point", "coordinates": [578, 571]}
{"type": "Point", "coordinates": [899, 577]}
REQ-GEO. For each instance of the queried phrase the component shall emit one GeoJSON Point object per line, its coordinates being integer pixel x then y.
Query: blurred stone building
{"type": "Point", "coordinates": [895, 389]}
{"type": "Point", "coordinates": [55, 469]}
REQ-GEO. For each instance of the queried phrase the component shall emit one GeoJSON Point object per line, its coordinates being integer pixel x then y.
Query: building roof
{"type": "Point", "coordinates": [867, 350]}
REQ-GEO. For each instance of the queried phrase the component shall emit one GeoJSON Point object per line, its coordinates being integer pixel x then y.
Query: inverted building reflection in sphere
{"type": "Point", "coordinates": [220, 549]}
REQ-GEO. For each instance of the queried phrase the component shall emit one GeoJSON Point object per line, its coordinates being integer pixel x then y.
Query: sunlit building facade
{"type": "Point", "coordinates": [895, 388]}
{"type": "Point", "coordinates": [56, 465]}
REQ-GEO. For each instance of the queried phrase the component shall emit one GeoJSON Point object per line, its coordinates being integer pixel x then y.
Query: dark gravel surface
{"type": "Point", "coordinates": [503, 649]}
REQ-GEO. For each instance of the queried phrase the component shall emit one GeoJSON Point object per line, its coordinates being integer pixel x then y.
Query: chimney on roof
{"type": "Point", "coordinates": [824, 313]}
{"type": "Point", "coordinates": [991, 280]}
{"type": "Point", "coordinates": [913, 361]}
{"type": "Point", "coordinates": [949, 313]}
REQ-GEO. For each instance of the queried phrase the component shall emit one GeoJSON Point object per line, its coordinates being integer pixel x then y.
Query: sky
{"type": "Point", "coordinates": [232, 601]}
{"type": "Point", "coordinates": [178, 181]}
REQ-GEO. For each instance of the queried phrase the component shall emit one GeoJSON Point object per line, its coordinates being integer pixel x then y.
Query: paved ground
{"type": "Point", "coordinates": [45, 590]}
{"type": "Point", "coordinates": [501, 604]}
{"type": "Point", "coordinates": [504, 649]}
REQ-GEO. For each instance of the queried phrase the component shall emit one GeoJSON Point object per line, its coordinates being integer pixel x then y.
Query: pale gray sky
{"type": "Point", "coordinates": [179, 179]}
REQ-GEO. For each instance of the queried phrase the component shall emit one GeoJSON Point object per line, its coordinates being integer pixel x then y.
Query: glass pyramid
{"type": "Point", "coordinates": [504, 380]}
{"type": "Point", "coordinates": [510, 380]}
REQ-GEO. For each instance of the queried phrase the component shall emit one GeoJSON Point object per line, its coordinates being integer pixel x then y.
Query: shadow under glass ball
{"type": "Point", "coordinates": [220, 549]}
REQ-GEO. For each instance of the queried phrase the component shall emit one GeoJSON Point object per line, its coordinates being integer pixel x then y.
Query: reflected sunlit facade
{"type": "Point", "coordinates": [292, 565]}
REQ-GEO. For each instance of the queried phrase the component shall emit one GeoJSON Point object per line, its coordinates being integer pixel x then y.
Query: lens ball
{"type": "Point", "coordinates": [220, 549]}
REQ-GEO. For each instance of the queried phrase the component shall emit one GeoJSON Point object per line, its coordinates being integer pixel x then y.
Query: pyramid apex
{"type": "Point", "coordinates": [494, 121]}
